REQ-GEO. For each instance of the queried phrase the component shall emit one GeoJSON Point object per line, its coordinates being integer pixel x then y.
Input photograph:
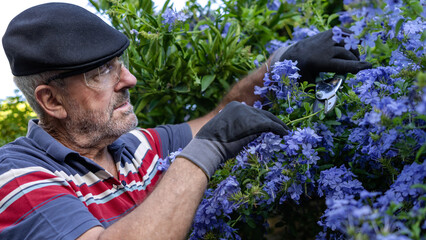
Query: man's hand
{"type": "Point", "coordinates": [320, 53]}
{"type": "Point", "coordinates": [227, 133]}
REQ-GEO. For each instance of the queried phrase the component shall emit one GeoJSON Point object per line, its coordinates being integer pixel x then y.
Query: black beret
{"type": "Point", "coordinates": [60, 36]}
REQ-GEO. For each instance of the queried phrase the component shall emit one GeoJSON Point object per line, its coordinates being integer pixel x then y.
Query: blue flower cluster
{"type": "Point", "coordinates": [216, 203]}
{"type": "Point", "coordinates": [273, 82]}
{"type": "Point", "coordinates": [293, 154]}
{"type": "Point", "coordinates": [400, 28]}
{"type": "Point", "coordinates": [164, 164]}
{"type": "Point", "coordinates": [338, 183]}
{"type": "Point", "coordinates": [171, 17]}
{"type": "Point", "coordinates": [401, 190]}
{"type": "Point", "coordinates": [366, 213]}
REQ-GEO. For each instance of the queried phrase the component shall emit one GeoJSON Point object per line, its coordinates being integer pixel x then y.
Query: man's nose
{"type": "Point", "coordinates": [127, 79]}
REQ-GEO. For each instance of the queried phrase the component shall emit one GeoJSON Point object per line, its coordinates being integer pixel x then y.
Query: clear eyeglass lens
{"type": "Point", "coordinates": [104, 76]}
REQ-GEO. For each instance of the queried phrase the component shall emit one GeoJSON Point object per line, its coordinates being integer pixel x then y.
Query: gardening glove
{"type": "Point", "coordinates": [227, 133]}
{"type": "Point", "coordinates": [320, 53]}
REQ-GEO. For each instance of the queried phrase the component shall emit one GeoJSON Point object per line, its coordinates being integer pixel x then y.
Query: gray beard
{"type": "Point", "coordinates": [90, 129]}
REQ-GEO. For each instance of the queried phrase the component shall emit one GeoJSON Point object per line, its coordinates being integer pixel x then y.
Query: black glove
{"type": "Point", "coordinates": [320, 53]}
{"type": "Point", "coordinates": [227, 133]}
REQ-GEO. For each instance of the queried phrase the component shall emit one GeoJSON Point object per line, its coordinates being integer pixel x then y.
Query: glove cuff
{"type": "Point", "coordinates": [203, 153]}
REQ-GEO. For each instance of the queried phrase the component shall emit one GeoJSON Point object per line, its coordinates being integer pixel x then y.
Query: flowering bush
{"type": "Point", "coordinates": [356, 172]}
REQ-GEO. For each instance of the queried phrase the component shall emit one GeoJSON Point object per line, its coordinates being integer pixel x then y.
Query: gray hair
{"type": "Point", "coordinates": [28, 84]}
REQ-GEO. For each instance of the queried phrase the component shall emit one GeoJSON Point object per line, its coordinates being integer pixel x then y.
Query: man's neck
{"type": "Point", "coordinates": [86, 145]}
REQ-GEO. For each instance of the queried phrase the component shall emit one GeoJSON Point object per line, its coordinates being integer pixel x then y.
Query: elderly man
{"type": "Point", "coordinates": [83, 170]}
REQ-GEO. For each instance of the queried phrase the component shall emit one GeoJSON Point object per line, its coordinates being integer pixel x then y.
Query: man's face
{"type": "Point", "coordinates": [100, 114]}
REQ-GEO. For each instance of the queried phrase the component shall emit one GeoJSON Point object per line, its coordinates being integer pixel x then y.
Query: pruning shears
{"type": "Point", "coordinates": [325, 93]}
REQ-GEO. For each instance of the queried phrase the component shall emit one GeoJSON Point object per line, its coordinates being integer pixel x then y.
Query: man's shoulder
{"type": "Point", "coordinates": [22, 148]}
{"type": "Point", "coordinates": [18, 144]}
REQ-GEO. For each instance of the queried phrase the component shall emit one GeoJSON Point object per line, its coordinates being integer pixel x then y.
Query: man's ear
{"type": "Point", "coordinates": [51, 101]}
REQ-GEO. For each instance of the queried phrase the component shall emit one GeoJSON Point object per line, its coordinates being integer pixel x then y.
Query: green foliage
{"type": "Point", "coordinates": [14, 116]}
{"type": "Point", "coordinates": [184, 70]}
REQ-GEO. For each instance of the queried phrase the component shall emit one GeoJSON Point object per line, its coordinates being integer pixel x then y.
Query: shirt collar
{"type": "Point", "coordinates": [52, 147]}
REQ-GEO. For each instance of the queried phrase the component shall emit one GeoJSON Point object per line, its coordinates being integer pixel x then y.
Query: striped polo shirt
{"type": "Point", "coordinates": [48, 191]}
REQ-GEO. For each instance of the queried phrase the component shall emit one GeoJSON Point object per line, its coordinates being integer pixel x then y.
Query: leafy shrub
{"type": "Point", "coordinates": [358, 172]}
{"type": "Point", "coordinates": [14, 116]}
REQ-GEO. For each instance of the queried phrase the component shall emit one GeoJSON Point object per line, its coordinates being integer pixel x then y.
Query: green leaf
{"type": "Point", "coordinates": [420, 152]}
{"type": "Point", "coordinates": [321, 115]}
{"type": "Point", "coordinates": [398, 25]}
{"type": "Point", "coordinates": [332, 17]}
{"type": "Point", "coordinates": [181, 88]}
{"type": "Point", "coordinates": [206, 81]}
{"type": "Point", "coordinates": [307, 107]}
{"type": "Point", "coordinates": [417, 7]}
{"type": "Point", "coordinates": [333, 123]}
{"type": "Point", "coordinates": [325, 166]}
{"type": "Point", "coordinates": [141, 104]}
{"type": "Point", "coordinates": [338, 113]}
{"type": "Point", "coordinates": [422, 186]}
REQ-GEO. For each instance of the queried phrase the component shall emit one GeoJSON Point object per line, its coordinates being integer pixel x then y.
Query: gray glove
{"type": "Point", "coordinates": [227, 133]}
{"type": "Point", "coordinates": [320, 53]}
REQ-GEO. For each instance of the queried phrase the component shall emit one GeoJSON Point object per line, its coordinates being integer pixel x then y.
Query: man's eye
{"type": "Point", "coordinates": [105, 69]}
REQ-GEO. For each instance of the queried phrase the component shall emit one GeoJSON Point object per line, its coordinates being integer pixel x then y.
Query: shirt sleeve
{"type": "Point", "coordinates": [173, 137]}
{"type": "Point", "coordinates": [37, 204]}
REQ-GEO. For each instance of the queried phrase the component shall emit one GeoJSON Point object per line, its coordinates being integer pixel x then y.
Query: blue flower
{"type": "Point", "coordinates": [274, 5]}
{"type": "Point", "coordinates": [310, 153]}
{"type": "Point", "coordinates": [215, 204]}
{"type": "Point", "coordinates": [371, 118]}
{"type": "Point", "coordinates": [307, 135]}
{"type": "Point", "coordinates": [203, 27]}
{"type": "Point", "coordinates": [338, 183]}
{"type": "Point", "coordinates": [274, 45]}
{"type": "Point", "coordinates": [358, 27]}
{"type": "Point", "coordinates": [257, 104]}
{"type": "Point", "coordinates": [225, 29]}
{"type": "Point", "coordinates": [169, 17]}
{"type": "Point", "coordinates": [256, 63]}
{"type": "Point", "coordinates": [295, 190]}
{"type": "Point", "coordinates": [327, 136]}
{"type": "Point", "coordinates": [164, 164]}
{"type": "Point", "coordinates": [392, 237]}
{"type": "Point", "coordinates": [399, 59]}
{"type": "Point", "coordinates": [351, 42]}
{"type": "Point", "coordinates": [181, 16]}
{"type": "Point", "coordinates": [345, 17]}
{"type": "Point", "coordinates": [392, 107]}
{"type": "Point", "coordinates": [274, 181]}
{"type": "Point", "coordinates": [358, 135]}
{"type": "Point", "coordinates": [266, 145]}
{"type": "Point", "coordinates": [241, 161]}
{"type": "Point", "coordinates": [302, 33]}
{"type": "Point", "coordinates": [134, 31]}
{"type": "Point", "coordinates": [369, 40]}
{"type": "Point", "coordinates": [290, 145]}
{"type": "Point", "coordinates": [414, 27]}
{"type": "Point", "coordinates": [337, 34]}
